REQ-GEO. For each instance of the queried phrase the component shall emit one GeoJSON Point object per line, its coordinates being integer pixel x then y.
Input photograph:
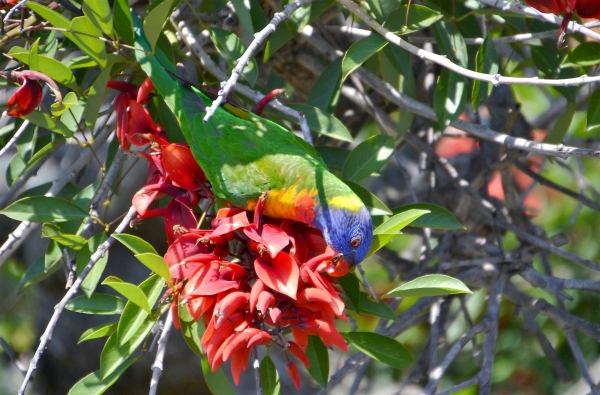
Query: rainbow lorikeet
{"type": "Point", "coordinates": [245, 156]}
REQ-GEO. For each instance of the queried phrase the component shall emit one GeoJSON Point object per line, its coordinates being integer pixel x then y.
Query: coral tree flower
{"type": "Point", "coordinates": [584, 8]}
{"type": "Point", "coordinates": [253, 280]}
{"type": "Point", "coordinates": [29, 95]}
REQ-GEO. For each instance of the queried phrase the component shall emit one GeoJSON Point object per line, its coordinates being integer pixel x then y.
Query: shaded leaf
{"type": "Point", "coordinates": [96, 304]}
{"type": "Point", "coordinates": [43, 209]}
{"type": "Point", "coordinates": [98, 12]}
{"type": "Point", "coordinates": [368, 157]}
{"type": "Point", "coordinates": [89, 284]}
{"type": "Point", "coordinates": [92, 384]}
{"type": "Point", "coordinates": [155, 20]}
{"type": "Point", "coordinates": [430, 285]}
{"type": "Point", "coordinates": [438, 217]}
{"type": "Point", "coordinates": [98, 332]}
{"type": "Point", "coordinates": [269, 378]}
{"type": "Point", "coordinates": [376, 308]}
{"type": "Point", "coordinates": [55, 233]}
{"type": "Point", "coordinates": [449, 98]}
{"type": "Point", "coordinates": [323, 123]}
{"type": "Point", "coordinates": [360, 51]}
{"type": "Point", "coordinates": [318, 357]}
{"type": "Point", "coordinates": [376, 206]}
{"type": "Point", "coordinates": [593, 113]}
{"type": "Point", "coordinates": [380, 348]}
{"type": "Point", "coordinates": [216, 382]}
{"type": "Point", "coordinates": [325, 92]}
{"type": "Point", "coordinates": [231, 48]}
{"type": "Point", "coordinates": [44, 120]}
{"type": "Point", "coordinates": [419, 17]}
{"type": "Point", "coordinates": [123, 23]}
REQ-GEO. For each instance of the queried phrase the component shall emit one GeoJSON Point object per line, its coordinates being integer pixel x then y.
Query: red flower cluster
{"type": "Point", "coordinates": [584, 8]}
{"type": "Point", "coordinates": [252, 281]}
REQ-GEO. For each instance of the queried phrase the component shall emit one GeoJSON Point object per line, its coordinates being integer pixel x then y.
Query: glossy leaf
{"type": "Point", "coordinates": [368, 157]}
{"type": "Point", "coordinates": [486, 61]}
{"type": "Point", "coordinates": [114, 355]}
{"type": "Point", "coordinates": [419, 17]}
{"type": "Point", "coordinates": [98, 11]}
{"type": "Point", "coordinates": [55, 233]}
{"type": "Point", "coordinates": [451, 42]}
{"type": "Point", "coordinates": [430, 285]}
{"type": "Point", "coordinates": [437, 218]}
{"type": "Point", "coordinates": [325, 92]}
{"type": "Point", "coordinates": [89, 284]}
{"type": "Point", "coordinates": [54, 69]}
{"type": "Point", "coordinates": [96, 304]}
{"type": "Point", "coordinates": [323, 123]}
{"type": "Point", "coordinates": [388, 230]}
{"type": "Point", "coordinates": [155, 20]}
{"type": "Point", "coordinates": [43, 209]}
{"type": "Point", "coordinates": [216, 382]}
{"type": "Point", "coordinates": [98, 332]}
{"type": "Point", "coordinates": [376, 206]}
{"type": "Point", "coordinates": [380, 348]}
{"type": "Point", "coordinates": [133, 316]}
{"type": "Point", "coordinates": [375, 308]}
{"type": "Point", "coordinates": [93, 384]}
{"type": "Point", "coordinates": [123, 23]}
{"type": "Point", "coordinates": [318, 356]}
{"type": "Point", "coordinates": [269, 379]}
{"type": "Point", "coordinates": [191, 330]}
{"type": "Point", "coordinates": [360, 52]}
{"type": "Point", "coordinates": [44, 120]}
{"type": "Point", "coordinates": [231, 48]}
{"type": "Point", "coordinates": [69, 101]}
{"type": "Point", "coordinates": [129, 291]}
{"type": "Point", "coordinates": [450, 97]}
{"type": "Point", "coordinates": [136, 244]}
{"type": "Point", "coordinates": [85, 35]}
{"type": "Point", "coordinates": [157, 264]}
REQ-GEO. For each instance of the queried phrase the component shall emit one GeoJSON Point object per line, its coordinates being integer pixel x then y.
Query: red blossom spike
{"type": "Point", "coordinates": [265, 301]}
{"type": "Point", "coordinates": [232, 302]}
{"type": "Point", "coordinates": [209, 280]}
{"type": "Point", "coordinates": [199, 306]}
{"type": "Point", "coordinates": [257, 289]}
{"type": "Point", "coordinates": [182, 168]}
{"type": "Point", "coordinates": [300, 337]}
{"type": "Point", "coordinates": [281, 275]}
{"type": "Point", "coordinates": [239, 363]}
{"type": "Point", "coordinates": [261, 338]}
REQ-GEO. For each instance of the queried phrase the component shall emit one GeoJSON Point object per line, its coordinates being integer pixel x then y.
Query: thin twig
{"type": "Point", "coordinates": [243, 61]}
{"type": "Point", "coordinates": [13, 140]}
{"type": "Point", "coordinates": [157, 366]}
{"type": "Point", "coordinates": [58, 309]}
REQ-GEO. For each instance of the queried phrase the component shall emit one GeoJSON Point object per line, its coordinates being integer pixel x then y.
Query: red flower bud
{"type": "Point", "coordinates": [25, 99]}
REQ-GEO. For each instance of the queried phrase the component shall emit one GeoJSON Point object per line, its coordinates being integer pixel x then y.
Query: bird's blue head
{"type": "Point", "coordinates": [349, 232]}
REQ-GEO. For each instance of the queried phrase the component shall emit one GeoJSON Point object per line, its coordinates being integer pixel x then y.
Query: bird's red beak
{"type": "Point", "coordinates": [339, 266]}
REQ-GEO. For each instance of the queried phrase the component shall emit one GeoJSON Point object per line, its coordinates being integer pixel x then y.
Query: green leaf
{"type": "Point", "coordinates": [98, 332]}
{"type": "Point", "coordinates": [486, 61]}
{"type": "Point", "coordinates": [376, 206]}
{"type": "Point", "coordinates": [231, 48]}
{"type": "Point", "coordinates": [155, 20]}
{"type": "Point", "coordinates": [368, 157]}
{"type": "Point", "coordinates": [157, 264]}
{"type": "Point", "coordinates": [593, 113]}
{"type": "Point", "coordinates": [49, 66]}
{"type": "Point", "coordinates": [89, 284]}
{"type": "Point", "coordinates": [437, 218]}
{"type": "Point", "coordinates": [451, 42]}
{"type": "Point", "coordinates": [322, 122]}
{"type": "Point", "coordinates": [96, 304]}
{"type": "Point", "coordinates": [242, 11]}
{"type": "Point", "coordinates": [449, 98]}
{"type": "Point", "coordinates": [191, 330]}
{"type": "Point", "coordinates": [380, 348]}
{"type": "Point", "coordinates": [92, 384]}
{"type": "Point", "coordinates": [98, 12]}
{"type": "Point", "coordinates": [129, 291]}
{"type": "Point", "coordinates": [95, 98]}
{"type": "Point", "coordinates": [39, 271]}
{"type": "Point", "coordinates": [44, 120]}
{"type": "Point", "coordinates": [269, 379]}
{"type": "Point", "coordinates": [133, 316]}
{"type": "Point", "coordinates": [136, 244]}
{"type": "Point", "coordinates": [54, 18]}
{"type": "Point", "coordinates": [334, 157]}
{"type": "Point", "coordinates": [113, 356]}
{"type": "Point", "coordinates": [216, 382]}
{"type": "Point", "coordinates": [375, 308]}
{"type": "Point", "coordinates": [123, 23]}
{"type": "Point", "coordinates": [350, 286]}
{"type": "Point", "coordinates": [430, 285]}
{"type": "Point", "coordinates": [325, 92]}
{"type": "Point", "coordinates": [69, 100]}
{"type": "Point", "coordinates": [399, 221]}
{"type": "Point", "coordinates": [85, 36]}
{"type": "Point", "coordinates": [318, 357]}
{"type": "Point", "coordinates": [585, 54]}
{"type": "Point", "coordinates": [562, 124]}
{"type": "Point", "coordinates": [55, 233]}
{"type": "Point", "coordinates": [43, 209]}
{"type": "Point", "coordinates": [419, 17]}
{"type": "Point", "coordinates": [360, 51]}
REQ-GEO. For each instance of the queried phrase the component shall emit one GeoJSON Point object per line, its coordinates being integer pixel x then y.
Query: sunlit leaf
{"type": "Point", "coordinates": [430, 285]}
{"type": "Point", "coordinates": [381, 348]}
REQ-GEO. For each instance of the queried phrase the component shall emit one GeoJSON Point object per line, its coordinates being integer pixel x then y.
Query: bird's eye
{"type": "Point", "coordinates": [355, 242]}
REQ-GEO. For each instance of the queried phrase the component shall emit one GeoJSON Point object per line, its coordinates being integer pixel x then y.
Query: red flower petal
{"type": "Point", "coordinates": [272, 237]}
{"type": "Point", "coordinates": [143, 94]}
{"type": "Point", "coordinates": [178, 217]}
{"type": "Point", "coordinates": [139, 123]}
{"type": "Point", "coordinates": [281, 275]}
{"type": "Point", "coordinates": [182, 168]}
{"type": "Point", "coordinates": [25, 99]}
{"type": "Point", "coordinates": [292, 370]}
{"type": "Point", "coordinates": [229, 220]}
{"type": "Point", "coordinates": [298, 352]}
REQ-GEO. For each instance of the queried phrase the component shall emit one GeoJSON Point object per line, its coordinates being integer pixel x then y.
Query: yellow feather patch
{"type": "Point", "coordinates": [291, 204]}
{"type": "Point", "coordinates": [348, 202]}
